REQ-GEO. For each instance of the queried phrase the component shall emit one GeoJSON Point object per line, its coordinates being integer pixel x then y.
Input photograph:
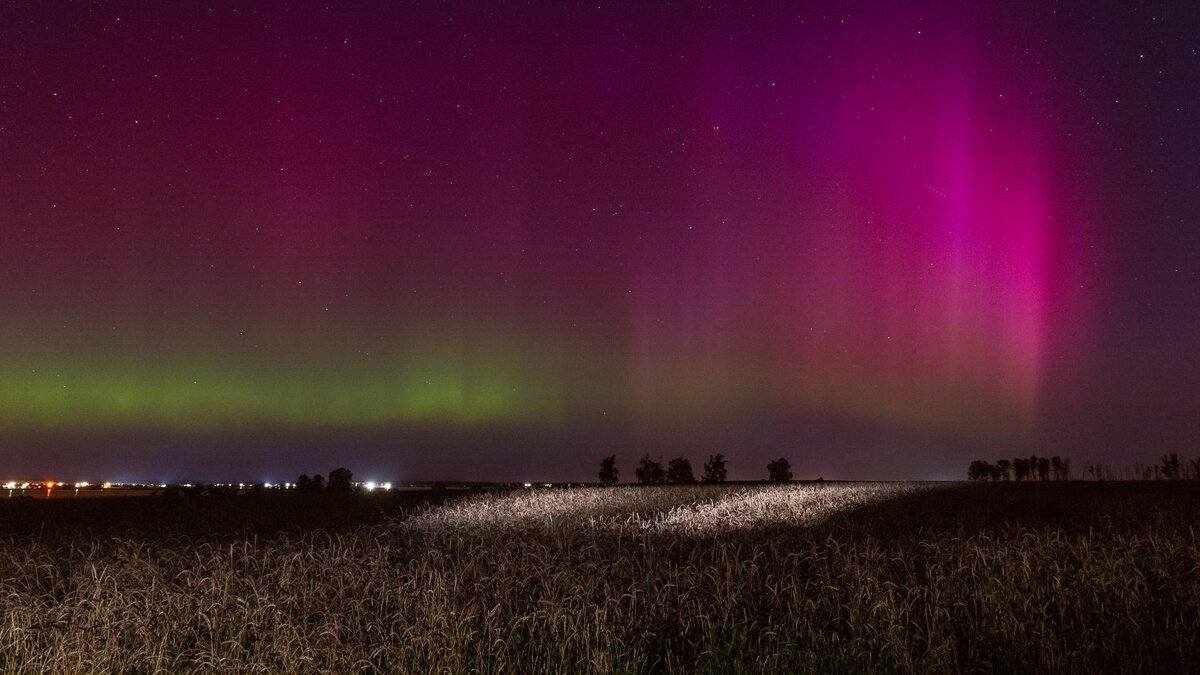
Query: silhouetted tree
{"type": "Point", "coordinates": [979, 470]}
{"type": "Point", "coordinates": [304, 483]}
{"type": "Point", "coordinates": [779, 471]}
{"type": "Point", "coordinates": [1196, 467]}
{"type": "Point", "coordinates": [1035, 467]}
{"type": "Point", "coordinates": [1003, 465]}
{"type": "Point", "coordinates": [650, 471]}
{"type": "Point", "coordinates": [318, 483]}
{"type": "Point", "coordinates": [679, 470]}
{"type": "Point", "coordinates": [341, 480]}
{"type": "Point", "coordinates": [714, 469]}
{"type": "Point", "coordinates": [1043, 468]}
{"type": "Point", "coordinates": [608, 470]}
{"type": "Point", "coordinates": [1020, 468]}
{"type": "Point", "coordinates": [1060, 468]}
{"type": "Point", "coordinates": [1170, 465]}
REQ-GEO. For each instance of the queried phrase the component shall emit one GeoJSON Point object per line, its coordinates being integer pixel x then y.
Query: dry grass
{"type": "Point", "coordinates": [706, 579]}
{"type": "Point", "coordinates": [695, 509]}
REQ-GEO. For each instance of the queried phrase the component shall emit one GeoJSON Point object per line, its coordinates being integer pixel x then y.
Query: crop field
{"type": "Point", "coordinates": [868, 577]}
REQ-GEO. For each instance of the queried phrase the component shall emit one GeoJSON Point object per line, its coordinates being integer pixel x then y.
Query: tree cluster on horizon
{"type": "Point", "coordinates": [679, 470]}
{"type": "Point", "coordinates": [340, 480]}
{"type": "Point", "coordinates": [1171, 466]}
{"type": "Point", "coordinates": [1021, 469]}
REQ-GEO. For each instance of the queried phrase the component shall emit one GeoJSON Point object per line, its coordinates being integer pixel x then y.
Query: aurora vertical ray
{"type": "Point", "coordinates": [902, 249]}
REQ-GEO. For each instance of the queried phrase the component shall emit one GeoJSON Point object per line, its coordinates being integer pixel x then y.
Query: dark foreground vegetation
{"type": "Point", "coordinates": [220, 516]}
{"type": "Point", "coordinates": [1003, 577]}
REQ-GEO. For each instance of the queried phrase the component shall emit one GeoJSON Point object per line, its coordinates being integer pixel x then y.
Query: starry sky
{"type": "Point", "coordinates": [498, 241]}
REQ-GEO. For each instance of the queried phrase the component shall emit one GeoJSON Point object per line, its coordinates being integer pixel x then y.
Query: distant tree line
{"type": "Point", "coordinates": [1021, 468]}
{"type": "Point", "coordinates": [340, 480]}
{"type": "Point", "coordinates": [1170, 467]}
{"type": "Point", "coordinates": [679, 470]}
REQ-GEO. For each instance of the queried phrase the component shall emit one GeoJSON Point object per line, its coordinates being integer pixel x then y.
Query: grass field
{"type": "Point", "coordinates": [1053, 577]}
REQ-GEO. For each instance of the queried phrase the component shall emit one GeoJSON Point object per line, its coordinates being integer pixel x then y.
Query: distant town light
{"type": "Point", "coordinates": [10, 485]}
{"type": "Point", "coordinates": [82, 484]}
{"type": "Point", "coordinates": [529, 485]}
{"type": "Point", "coordinates": [105, 485]}
{"type": "Point", "coordinates": [369, 485]}
{"type": "Point", "coordinates": [386, 486]}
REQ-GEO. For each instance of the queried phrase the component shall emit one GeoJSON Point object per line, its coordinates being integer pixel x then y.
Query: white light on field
{"type": "Point", "coordinates": [696, 512]}
{"type": "Point", "coordinates": [386, 486]}
{"type": "Point", "coordinates": [370, 485]}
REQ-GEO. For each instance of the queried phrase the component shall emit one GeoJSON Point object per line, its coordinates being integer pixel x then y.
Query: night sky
{"type": "Point", "coordinates": [493, 241]}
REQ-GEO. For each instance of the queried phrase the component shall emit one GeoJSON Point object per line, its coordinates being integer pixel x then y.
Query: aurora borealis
{"type": "Point", "coordinates": [486, 241]}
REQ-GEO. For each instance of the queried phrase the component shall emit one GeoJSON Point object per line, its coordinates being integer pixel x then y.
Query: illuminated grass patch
{"type": "Point", "coordinates": [700, 509]}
